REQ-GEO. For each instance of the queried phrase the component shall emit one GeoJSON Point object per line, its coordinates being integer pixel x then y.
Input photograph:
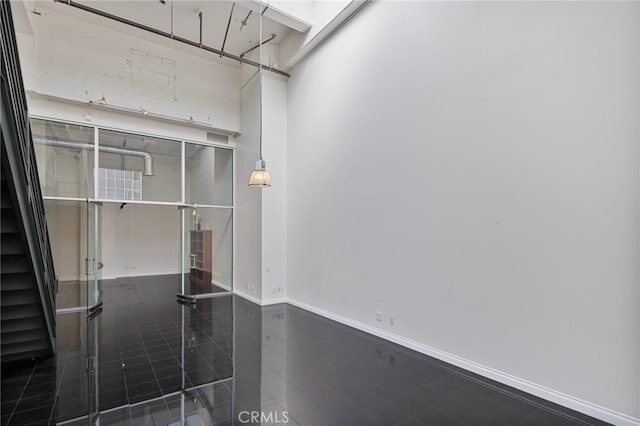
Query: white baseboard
{"type": "Point", "coordinates": [543, 392]}
{"type": "Point", "coordinates": [274, 301]}
{"type": "Point", "coordinates": [248, 297]}
{"type": "Point", "coordinates": [219, 284]}
{"type": "Point", "coordinates": [260, 302]}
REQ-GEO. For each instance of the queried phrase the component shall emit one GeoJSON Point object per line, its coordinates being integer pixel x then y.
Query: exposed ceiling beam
{"type": "Point", "coordinates": [170, 36]}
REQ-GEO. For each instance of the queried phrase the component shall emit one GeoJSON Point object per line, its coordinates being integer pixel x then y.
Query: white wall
{"type": "Point", "coordinates": [261, 213]}
{"type": "Point", "coordinates": [140, 240]}
{"type": "Point", "coordinates": [112, 119]}
{"type": "Point", "coordinates": [324, 16]}
{"type": "Point", "coordinates": [137, 240]}
{"type": "Point", "coordinates": [248, 202]}
{"type": "Point", "coordinates": [274, 199]}
{"type": "Point", "coordinates": [74, 59]}
{"type": "Point", "coordinates": [63, 224]}
{"type": "Point", "coordinates": [472, 169]}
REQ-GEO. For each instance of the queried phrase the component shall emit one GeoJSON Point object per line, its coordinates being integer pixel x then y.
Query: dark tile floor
{"type": "Point", "coordinates": [72, 294]}
{"type": "Point", "coordinates": [149, 360]}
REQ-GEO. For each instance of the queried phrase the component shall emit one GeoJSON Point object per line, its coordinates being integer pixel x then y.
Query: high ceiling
{"type": "Point", "coordinates": [182, 18]}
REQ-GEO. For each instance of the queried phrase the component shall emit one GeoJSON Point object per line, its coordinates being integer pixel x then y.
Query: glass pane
{"type": "Point", "coordinates": [188, 247]}
{"type": "Point", "coordinates": [93, 363]}
{"type": "Point", "coordinates": [76, 376]}
{"type": "Point", "coordinates": [67, 225]}
{"type": "Point", "coordinates": [208, 175]}
{"type": "Point", "coordinates": [139, 240]}
{"type": "Point", "coordinates": [208, 234]}
{"type": "Point", "coordinates": [64, 153]}
{"type": "Point", "coordinates": [134, 167]}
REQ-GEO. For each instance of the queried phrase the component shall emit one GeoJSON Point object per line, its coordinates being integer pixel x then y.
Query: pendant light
{"type": "Point", "coordinates": [260, 177]}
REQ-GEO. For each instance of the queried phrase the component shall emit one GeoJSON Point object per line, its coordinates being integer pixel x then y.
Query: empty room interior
{"type": "Point", "coordinates": [320, 213]}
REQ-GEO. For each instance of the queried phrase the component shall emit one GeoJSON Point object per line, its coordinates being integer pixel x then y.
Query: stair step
{"type": "Point", "coordinates": [8, 223]}
{"type": "Point", "coordinates": [17, 297]}
{"type": "Point", "coordinates": [19, 312]}
{"type": "Point", "coordinates": [5, 199]}
{"type": "Point", "coordinates": [11, 244]}
{"type": "Point", "coordinates": [20, 325]}
{"type": "Point", "coordinates": [12, 338]}
{"type": "Point", "coordinates": [22, 347]}
{"type": "Point", "coordinates": [13, 263]}
{"type": "Point", "coordinates": [19, 281]}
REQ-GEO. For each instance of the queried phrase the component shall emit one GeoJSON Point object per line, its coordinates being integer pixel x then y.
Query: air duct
{"type": "Point", "coordinates": [148, 160]}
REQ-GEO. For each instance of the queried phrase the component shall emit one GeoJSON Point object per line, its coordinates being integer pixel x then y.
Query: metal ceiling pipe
{"type": "Point", "coordinates": [258, 45]}
{"type": "Point", "coordinates": [148, 160]}
{"type": "Point", "coordinates": [170, 36]}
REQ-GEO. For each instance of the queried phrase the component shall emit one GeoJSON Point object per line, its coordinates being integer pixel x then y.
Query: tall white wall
{"type": "Point", "coordinates": [248, 202]}
{"type": "Point", "coordinates": [274, 199]}
{"type": "Point", "coordinates": [472, 169]}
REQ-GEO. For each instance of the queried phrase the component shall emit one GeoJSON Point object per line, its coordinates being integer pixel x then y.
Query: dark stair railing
{"type": "Point", "coordinates": [35, 302]}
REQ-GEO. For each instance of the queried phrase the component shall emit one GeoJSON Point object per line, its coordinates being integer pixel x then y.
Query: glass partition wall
{"type": "Point", "coordinates": [207, 225]}
{"type": "Point", "coordinates": [103, 187]}
{"type": "Point", "coordinates": [75, 233]}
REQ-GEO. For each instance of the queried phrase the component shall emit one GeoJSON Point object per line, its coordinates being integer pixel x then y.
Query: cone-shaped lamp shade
{"type": "Point", "coordinates": [259, 177]}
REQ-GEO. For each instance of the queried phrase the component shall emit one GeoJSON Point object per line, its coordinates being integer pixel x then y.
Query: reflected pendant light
{"type": "Point", "coordinates": [260, 177]}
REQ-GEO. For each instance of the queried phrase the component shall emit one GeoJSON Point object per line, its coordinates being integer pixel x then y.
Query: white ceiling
{"type": "Point", "coordinates": [184, 18]}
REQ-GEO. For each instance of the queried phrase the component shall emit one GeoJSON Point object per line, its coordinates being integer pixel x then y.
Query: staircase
{"type": "Point", "coordinates": [21, 325]}
{"type": "Point", "coordinates": [27, 278]}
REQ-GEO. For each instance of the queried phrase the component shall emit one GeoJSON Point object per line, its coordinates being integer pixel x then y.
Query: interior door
{"type": "Point", "coordinates": [94, 305]}
{"type": "Point", "coordinates": [92, 363]}
{"type": "Point", "coordinates": [93, 261]}
{"type": "Point", "coordinates": [188, 253]}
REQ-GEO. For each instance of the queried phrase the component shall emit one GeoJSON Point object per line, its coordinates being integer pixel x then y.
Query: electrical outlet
{"type": "Point", "coordinates": [268, 268]}
{"type": "Point", "coordinates": [275, 290]}
{"type": "Point", "coordinates": [378, 316]}
{"type": "Point", "coordinates": [280, 289]}
{"type": "Point", "coordinates": [392, 320]}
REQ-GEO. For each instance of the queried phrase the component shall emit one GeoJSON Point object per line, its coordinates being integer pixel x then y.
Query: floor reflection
{"type": "Point", "coordinates": [148, 360]}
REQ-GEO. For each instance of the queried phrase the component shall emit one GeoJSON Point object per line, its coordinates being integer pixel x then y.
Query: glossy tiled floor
{"type": "Point", "coordinates": [148, 360]}
{"type": "Point", "coordinates": [72, 294]}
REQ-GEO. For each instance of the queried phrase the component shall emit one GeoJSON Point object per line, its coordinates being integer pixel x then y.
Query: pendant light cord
{"type": "Point", "coordinates": [260, 79]}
